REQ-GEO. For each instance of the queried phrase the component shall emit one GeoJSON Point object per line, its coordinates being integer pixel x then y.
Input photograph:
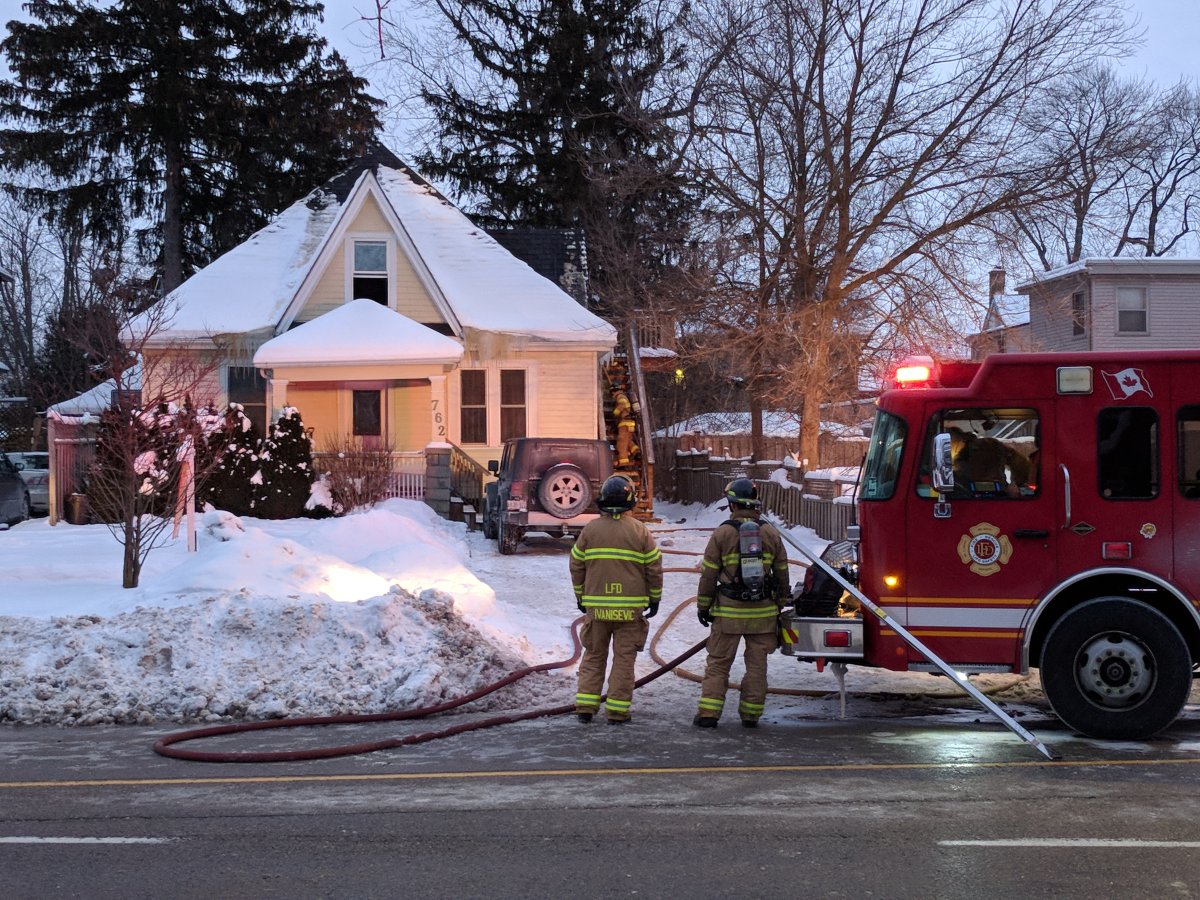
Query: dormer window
{"type": "Point", "coordinates": [370, 271]}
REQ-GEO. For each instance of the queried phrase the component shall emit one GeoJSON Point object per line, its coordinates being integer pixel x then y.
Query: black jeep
{"type": "Point", "coordinates": [544, 484]}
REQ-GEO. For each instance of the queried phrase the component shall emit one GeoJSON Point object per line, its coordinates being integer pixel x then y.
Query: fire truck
{"type": "Point", "coordinates": [1029, 510]}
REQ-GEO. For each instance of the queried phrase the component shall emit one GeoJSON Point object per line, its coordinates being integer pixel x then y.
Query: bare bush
{"type": "Point", "coordinates": [355, 475]}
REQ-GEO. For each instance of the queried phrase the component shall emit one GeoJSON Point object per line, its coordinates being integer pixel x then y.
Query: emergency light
{"type": "Point", "coordinates": [916, 372]}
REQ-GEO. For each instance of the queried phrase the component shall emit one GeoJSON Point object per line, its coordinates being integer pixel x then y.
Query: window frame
{"type": "Point", "coordinates": [1123, 456]}
{"type": "Point", "coordinates": [354, 275]}
{"type": "Point", "coordinates": [262, 422]}
{"type": "Point", "coordinates": [1143, 309]}
{"type": "Point", "coordinates": [497, 431]}
{"type": "Point", "coordinates": [1079, 313]}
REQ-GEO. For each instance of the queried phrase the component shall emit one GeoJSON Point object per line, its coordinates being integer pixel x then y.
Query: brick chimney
{"type": "Point", "coordinates": [996, 282]}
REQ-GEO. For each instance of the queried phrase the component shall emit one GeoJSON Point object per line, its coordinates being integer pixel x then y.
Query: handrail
{"type": "Point", "coordinates": [466, 475]}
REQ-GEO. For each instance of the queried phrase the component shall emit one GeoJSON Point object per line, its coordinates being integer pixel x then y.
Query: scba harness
{"type": "Point", "coordinates": [752, 581]}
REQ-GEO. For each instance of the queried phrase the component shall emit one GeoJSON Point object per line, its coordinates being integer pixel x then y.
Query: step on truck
{"type": "Point", "coordinates": [1029, 510]}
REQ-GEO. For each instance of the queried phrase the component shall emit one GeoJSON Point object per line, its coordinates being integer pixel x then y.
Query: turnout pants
{"type": "Point", "coordinates": [722, 648]}
{"type": "Point", "coordinates": [627, 638]}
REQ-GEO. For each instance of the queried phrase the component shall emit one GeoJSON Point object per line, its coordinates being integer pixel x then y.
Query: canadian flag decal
{"type": "Point", "coordinates": [1124, 384]}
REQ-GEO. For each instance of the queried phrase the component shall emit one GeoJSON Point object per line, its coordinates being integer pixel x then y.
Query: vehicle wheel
{"type": "Point", "coordinates": [489, 523]}
{"type": "Point", "coordinates": [25, 511]}
{"type": "Point", "coordinates": [565, 491]}
{"type": "Point", "coordinates": [1116, 668]}
{"type": "Point", "coordinates": [507, 538]}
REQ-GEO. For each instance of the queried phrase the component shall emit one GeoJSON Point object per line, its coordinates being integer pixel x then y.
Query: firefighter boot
{"type": "Point", "coordinates": [584, 717]}
{"type": "Point", "coordinates": [705, 721]}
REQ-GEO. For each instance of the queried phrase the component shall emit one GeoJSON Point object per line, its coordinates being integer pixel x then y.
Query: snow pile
{"type": "Point", "coordinates": [244, 657]}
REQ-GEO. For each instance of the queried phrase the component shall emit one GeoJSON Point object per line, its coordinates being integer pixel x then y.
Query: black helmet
{"type": "Point", "coordinates": [617, 495]}
{"type": "Point", "coordinates": [742, 492]}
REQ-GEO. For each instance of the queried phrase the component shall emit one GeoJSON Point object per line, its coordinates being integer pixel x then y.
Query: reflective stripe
{"type": "Point", "coordinates": [624, 602]}
{"type": "Point", "coordinates": [712, 704]}
{"type": "Point", "coordinates": [615, 553]}
{"type": "Point", "coordinates": [709, 565]}
{"type": "Point", "coordinates": [754, 709]}
{"type": "Point", "coordinates": [621, 706]}
{"type": "Point", "coordinates": [704, 600]}
{"type": "Point", "coordinates": [655, 593]}
{"type": "Point", "coordinates": [756, 612]}
{"type": "Point", "coordinates": [587, 701]}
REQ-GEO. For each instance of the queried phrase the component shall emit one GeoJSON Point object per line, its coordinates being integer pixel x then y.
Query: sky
{"type": "Point", "coordinates": [386, 609]}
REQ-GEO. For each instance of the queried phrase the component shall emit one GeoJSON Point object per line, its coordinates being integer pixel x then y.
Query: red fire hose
{"type": "Point", "coordinates": [165, 746]}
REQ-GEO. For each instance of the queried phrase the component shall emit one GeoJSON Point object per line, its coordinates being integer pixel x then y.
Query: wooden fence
{"type": "Point", "coordinates": [701, 478]}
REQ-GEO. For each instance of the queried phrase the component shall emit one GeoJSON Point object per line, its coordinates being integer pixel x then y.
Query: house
{"type": "Point", "coordinates": [1006, 324]}
{"type": "Point", "coordinates": [386, 317]}
{"type": "Point", "coordinates": [1149, 303]}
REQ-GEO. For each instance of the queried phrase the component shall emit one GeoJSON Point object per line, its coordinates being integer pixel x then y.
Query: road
{"type": "Point", "coordinates": [915, 805]}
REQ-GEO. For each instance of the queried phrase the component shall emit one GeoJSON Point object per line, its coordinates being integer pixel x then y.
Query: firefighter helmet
{"type": "Point", "coordinates": [617, 495]}
{"type": "Point", "coordinates": [742, 492]}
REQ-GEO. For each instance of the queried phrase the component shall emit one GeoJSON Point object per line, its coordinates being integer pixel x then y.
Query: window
{"type": "Point", "coordinates": [473, 406]}
{"type": "Point", "coordinates": [1188, 423]}
{"type": "Point", "coordinates": [1131, 310]}
{"type": "Point", "coordinates": [512, 404]}
{"type": "Point", "coordinates": [368, 418]}
{"type": "Point", "coordinates": [1079, 314]}
{"type": "Point", "coordinates": [883, 457]}
{"type": "Point", "coordinates": [246, 386]}
{"type": "Point", "coordinates": [994, 453]}
{"type": "Point", "coordinates": [1127, 453]}
{"type": "Point", "coordinates": [370, 271]}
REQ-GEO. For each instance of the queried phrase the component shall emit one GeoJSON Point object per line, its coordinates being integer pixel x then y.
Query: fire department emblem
{"type": "Point", "coordinates": [1148, 530]}
{"type": "Point", "coordinates": [984, 549]}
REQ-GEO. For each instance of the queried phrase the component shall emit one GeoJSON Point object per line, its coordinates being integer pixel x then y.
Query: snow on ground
{"type": "Point", "coordinates": [383, 610]}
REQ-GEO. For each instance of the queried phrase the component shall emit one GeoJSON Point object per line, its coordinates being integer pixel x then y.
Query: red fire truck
{"type": "Point", "coordinates": [1030, 510]}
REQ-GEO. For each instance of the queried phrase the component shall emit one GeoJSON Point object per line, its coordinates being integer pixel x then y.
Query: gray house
{"type": "Point", "coordinates": [1114, 304]}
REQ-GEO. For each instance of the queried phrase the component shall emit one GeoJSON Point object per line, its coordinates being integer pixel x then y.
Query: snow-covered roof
{"type": "Point", "coordinates": [361, 331]}
{"type": "Point", "coordinates": [89, 403]}
{"type": "Point", "coordinates": [1117, 265]}
{"type": "Point", "coordinates": [1007, 310]}
{"type": "Point", "coordinates": [775, 424]}
{"type": "Point", "coordinates": [252, 287]}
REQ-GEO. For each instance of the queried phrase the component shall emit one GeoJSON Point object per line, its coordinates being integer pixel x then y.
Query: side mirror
{"type": "Point", "coordinates": [942, 465]}
{"type": "Point", "coordinates": [493, 466]}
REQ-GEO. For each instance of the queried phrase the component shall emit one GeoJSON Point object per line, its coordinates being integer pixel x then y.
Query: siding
{"type": "Point", "coordinates": [409, 297]}
{"type": "Point", "coordinates": [1050, 326]}
{"type": "Point", "coordinates": [1173, 313]}
{"type": "Point", "coordinates": [319, 410]}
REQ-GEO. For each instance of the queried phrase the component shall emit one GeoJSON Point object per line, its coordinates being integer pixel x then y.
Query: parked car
{"type": "Point", "coordinates": [14, 495]}
{"type": "Point", "coordinates": [544, 484]}
{"type": "Point", "coordinates": [34, 467]}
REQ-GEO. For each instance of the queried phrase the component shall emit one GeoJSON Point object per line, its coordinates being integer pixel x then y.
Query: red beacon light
{"type": "Point", "coordinates": [916, 372]}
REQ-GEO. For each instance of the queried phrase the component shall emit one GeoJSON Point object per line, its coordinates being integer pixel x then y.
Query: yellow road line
{"type": "Point", "coordinates": [579, 773]}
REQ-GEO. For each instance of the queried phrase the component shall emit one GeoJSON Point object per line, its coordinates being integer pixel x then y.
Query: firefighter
{"type": "Point", "coordinates": [741, 592]}
{"type": "Point", "coordinates": [623, 410]}
{"type": "Point", "coordinates": [616, 570]}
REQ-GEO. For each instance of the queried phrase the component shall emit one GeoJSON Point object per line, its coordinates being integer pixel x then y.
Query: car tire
{"type": "Point", "coordinates": [1116, 668]}
{"type": "Point", "coordinates": [564, 491]}
{"type": "Point", "coordinates": [489, 523]}
{"type": "Point", "coordinates": [507, 537]}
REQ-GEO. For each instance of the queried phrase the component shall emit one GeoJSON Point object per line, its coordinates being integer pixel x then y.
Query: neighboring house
{"type": "Point", "coordinates": [383, 314]}
{"type": "Point", "coordinates": [1006, 325]}
{"type": "Point", "coordinates": [1115, 304]}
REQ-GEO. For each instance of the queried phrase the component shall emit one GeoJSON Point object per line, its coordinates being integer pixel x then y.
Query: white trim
{"type": "Point", "coordinates": [348, 272]}
{"type": "Point", "coordinates": [491, 388]}
{"type": "Point", "coordinates": [1118, 331]}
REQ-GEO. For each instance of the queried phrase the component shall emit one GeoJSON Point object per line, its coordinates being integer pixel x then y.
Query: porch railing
{"type": "Point", "coordinates": [467, 477]}
{"type": "Point", "coordinates": [405, 476]}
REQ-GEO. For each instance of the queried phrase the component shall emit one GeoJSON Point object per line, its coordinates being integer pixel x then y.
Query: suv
{"type": "Point", "coordinates": [34, 467]}
{"type": "Point", "coordinates": [544, 484]}
{"type": "Point", "coordinates": [14, 495]}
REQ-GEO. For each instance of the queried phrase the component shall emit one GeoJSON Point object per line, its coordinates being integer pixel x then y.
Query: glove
{"type": "Point", "coordinates": [704, 616]}
{"type": "Point", "coordinates": [651, 610]}
{"type": "Point", "coordinates": [580, 606]}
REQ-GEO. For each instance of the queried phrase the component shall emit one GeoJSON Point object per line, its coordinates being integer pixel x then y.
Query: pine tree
{"type": "Point", "coordinates": [203, 118]}
{"type": "Point", "coordinates": [287, 468]}
{"type": "Point", "coordinates": [566, 133]}
{"type": "Point", "coordinates": [230, 486]}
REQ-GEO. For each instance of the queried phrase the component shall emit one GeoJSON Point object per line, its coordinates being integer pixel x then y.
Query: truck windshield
{"type": "Point", "coordinates": [883, 458]}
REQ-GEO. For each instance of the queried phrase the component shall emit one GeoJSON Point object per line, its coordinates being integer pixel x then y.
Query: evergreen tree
{"type": "Point", "coordinates": [287, 469]}
{"type": "Point", "coordinates": [236, 449]}
{"type": "Point", "coordinates": [203, 118]}
{"type": "Point", "coordinates": [571, 127]}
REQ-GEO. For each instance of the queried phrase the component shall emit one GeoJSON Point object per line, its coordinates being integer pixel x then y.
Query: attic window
{"type": "Point", "coordinates": [370, 271]}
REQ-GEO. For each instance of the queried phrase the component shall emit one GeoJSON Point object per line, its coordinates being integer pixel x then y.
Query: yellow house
{"type": "Point", "coordinates": [386, 317]}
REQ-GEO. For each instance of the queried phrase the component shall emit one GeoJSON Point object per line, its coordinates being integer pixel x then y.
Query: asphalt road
{"type": "Point", "coordinates": [896, 806]}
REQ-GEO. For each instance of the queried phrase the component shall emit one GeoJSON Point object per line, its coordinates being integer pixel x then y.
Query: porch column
{"type": "Point", "coordinates": [277, 398]}
{"type": "Point", "coordinates": [438, 409]}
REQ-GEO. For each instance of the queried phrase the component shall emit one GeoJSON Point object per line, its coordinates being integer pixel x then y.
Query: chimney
{"type": "Point", "coordinates": [995, 282]}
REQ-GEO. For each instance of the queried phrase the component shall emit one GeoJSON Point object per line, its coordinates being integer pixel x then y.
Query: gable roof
{"type": "Point", "coordinates": [1116, 265]}
{"type": "Point", "coordinates": [254, 287]}
{"type": "Point", "coordinates": [361, 331]}
{"type": "Point", "coordinates": [1006, 311]}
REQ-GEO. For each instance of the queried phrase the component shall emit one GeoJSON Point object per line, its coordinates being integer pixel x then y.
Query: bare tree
{"type": "Point", "coordinates": [162, 415]}
{"type": "Point", "coordinates": [850, 148]}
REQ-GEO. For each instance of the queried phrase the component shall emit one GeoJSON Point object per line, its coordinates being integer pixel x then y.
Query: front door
{"type": "Point", "coordinates": [369, 426]}
{"type": "Point", "coordinates": [980, 555]}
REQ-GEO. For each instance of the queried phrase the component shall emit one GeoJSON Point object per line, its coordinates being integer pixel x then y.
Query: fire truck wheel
{"type": "Point", "coordinates": [1116, 668]}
